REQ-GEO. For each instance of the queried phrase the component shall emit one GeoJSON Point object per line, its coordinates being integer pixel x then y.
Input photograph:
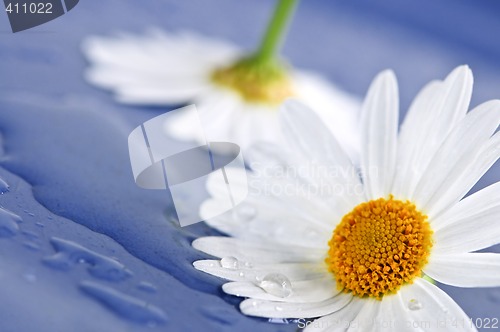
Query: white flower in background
{"type": "Point", "coordinates": [167, 69]}
{"type": "Point", "coordinates": [361, 256]}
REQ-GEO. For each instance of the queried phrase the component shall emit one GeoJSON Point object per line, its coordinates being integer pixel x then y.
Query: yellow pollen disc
{"type": "Point", "coordinates": [379, 246]}
{"type": "Point", "coordinates": [256, 83]}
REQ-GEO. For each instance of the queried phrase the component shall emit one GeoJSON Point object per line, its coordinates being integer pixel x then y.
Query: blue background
{"type": "Point", "coordinates": [64, 152]}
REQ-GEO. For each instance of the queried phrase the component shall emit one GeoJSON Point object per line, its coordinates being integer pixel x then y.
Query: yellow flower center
{"type": "Point", "coordinates": [379, 246]}
{"type": "Point", "coordinates": [265, 83]}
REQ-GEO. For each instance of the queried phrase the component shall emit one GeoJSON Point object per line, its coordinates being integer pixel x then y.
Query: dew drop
{"type": "Point", "coordinates": [4, 186]}
{"type": "Point", "coordinates": [414, 305]}
{"type": "Point", "coordinates": [255, 303]}
{"type": "Point", "coordinates": [278, 308]}
{"type": "Point", "coordinates": [276, 284]}
{"type": "Point", "coordinates": [494, 296]}
{"type": "Point", "coordinates": [311, 234]}
{"type": "Point", "coordinates": [29, 277]}
{"type": "Point", "coordinates": [31, 245]}
{"type": "Point", "coordinates": [248, 264]}
{"type": "Point", "coordinates": [241, 274]}
{"type": "Point", "coordinates": [229, 262]}
{"type": "Point", "coordinates": [245, 212]}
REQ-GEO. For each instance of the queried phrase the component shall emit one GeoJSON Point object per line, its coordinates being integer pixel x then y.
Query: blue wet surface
{"type": "Point", "coordinates": [82, 248]}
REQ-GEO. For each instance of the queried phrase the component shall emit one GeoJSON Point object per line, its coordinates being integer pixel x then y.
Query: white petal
{"type": "Point", "coordinates": [157, 94]}
{"type": "Point", "coordinates": [256, 251]}
{"type": "Point", "coordinates": [367, 315]}
{"type": "Point", "coordinates": [337, 110]}
{"type": "Point", "coordinates": [306, 134]}
{"type": "Point", "coordinates": [337, 321]}
{"type": "Point", "coordinates": [472, 224]}
{"type": "Point", "coordinates": [438, 311]}
{"type": "Point", "coordinates": [465, 270]}
{"type": "Point", "coordinates": [156, 68]}
{"type": "Point", "coordinates": [272, 223]}
{"type": "Point", "coordinates": [272, 309]}
{"type": "Point", "coordinates": [253, 272]}
{"type": "Point", "coordinates": [216, 109]}
{"type": "Point", "coordinates": [433, 193]}
{"type": "Point", "coordinates": [416, 121]}
{"type": "Point", "coordinates": [468, 172]}
{"type": "Point", "coordinates": [379, 129]}
{"type": "Point", "coordinates": [304, 291]}
{"type": "Point", "coordinates": [396, 315]}
{"type": "Point", "coordinates": [447, 105]}
{"type": "Point", "coordinates": [263, 216]}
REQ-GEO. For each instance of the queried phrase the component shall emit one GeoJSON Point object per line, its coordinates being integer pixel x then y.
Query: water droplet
{"type": "Point", "coordinates": [241, 274]}
{"type": "Point", "coordinates": [146, 287]}
{"type": "Point", "coordinates": [245, 212]}
{"type": "Point", "coordinates": [248, 264]}
{"type": "Point", "coordinates": [69, 253]}
{"type": "Point", "coordinates": [39, 224]}
{"type": "Point", "coordinates": [126, 306]}
{"type": "Point", "coordinates": [276, 284]}
{"type": "Point", "coordinates": [414, 305]}
{"type": "Point", "coordinates": [229, 263]}
{"type": "Point", "coordinates": [31, 245]}
{"type": "Point", "coordinates": [311, 234]}
{"type": "Point", "coordinates": [278, 308]}
{"type": "Point", "coordinates": [4, 186]}
{"type": "Point", "coordinates": [255, 303]}
{"type": "Point", "coordinates": [29, 277]}
{"type": "Point", "coordinates": [494, 296]}
{"type": "Point", "coordinates": [8, 223]}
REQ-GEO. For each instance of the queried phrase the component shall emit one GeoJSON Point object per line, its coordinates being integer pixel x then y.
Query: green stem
{"type": "Point", "coordinates": [429, 279]}
{"type": "Point", "coordinates": [276, 30]}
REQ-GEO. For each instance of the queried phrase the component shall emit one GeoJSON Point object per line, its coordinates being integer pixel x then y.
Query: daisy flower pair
{"type": "Point", "coordinates": [359, 248]}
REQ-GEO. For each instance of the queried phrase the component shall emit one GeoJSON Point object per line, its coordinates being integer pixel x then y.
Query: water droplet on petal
{"type": "Point", "coordinates": [241, 274]}
{"type": "Point", "coordinates": [414, 305]}
{"type": "Point", "coordinates": [255, 303]}
{"type": "Point", "coordinates": [311, 234]}
{"type": "Point", "coordinates": [276, 284]}
{"type": "Point", "coordinates": [245, 212]}
{"type": "Point", "coordinates": [248, 264]}
{"type": "Point", "coordinates": [278, 308]}
{"type": "Point", "coordinates": [229, 263]}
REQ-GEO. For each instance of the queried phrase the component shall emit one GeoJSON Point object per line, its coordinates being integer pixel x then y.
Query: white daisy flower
{"type": "Point", "coordinates": [361, 257]}
{"type": "Point", "coordinates": [237, 95]}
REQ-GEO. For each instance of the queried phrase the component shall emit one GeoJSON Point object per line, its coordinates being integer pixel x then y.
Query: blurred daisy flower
{"type": "Point", "coordinates": [237, 94]}
{"type": "Point", "coordinates": [361, 248]}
